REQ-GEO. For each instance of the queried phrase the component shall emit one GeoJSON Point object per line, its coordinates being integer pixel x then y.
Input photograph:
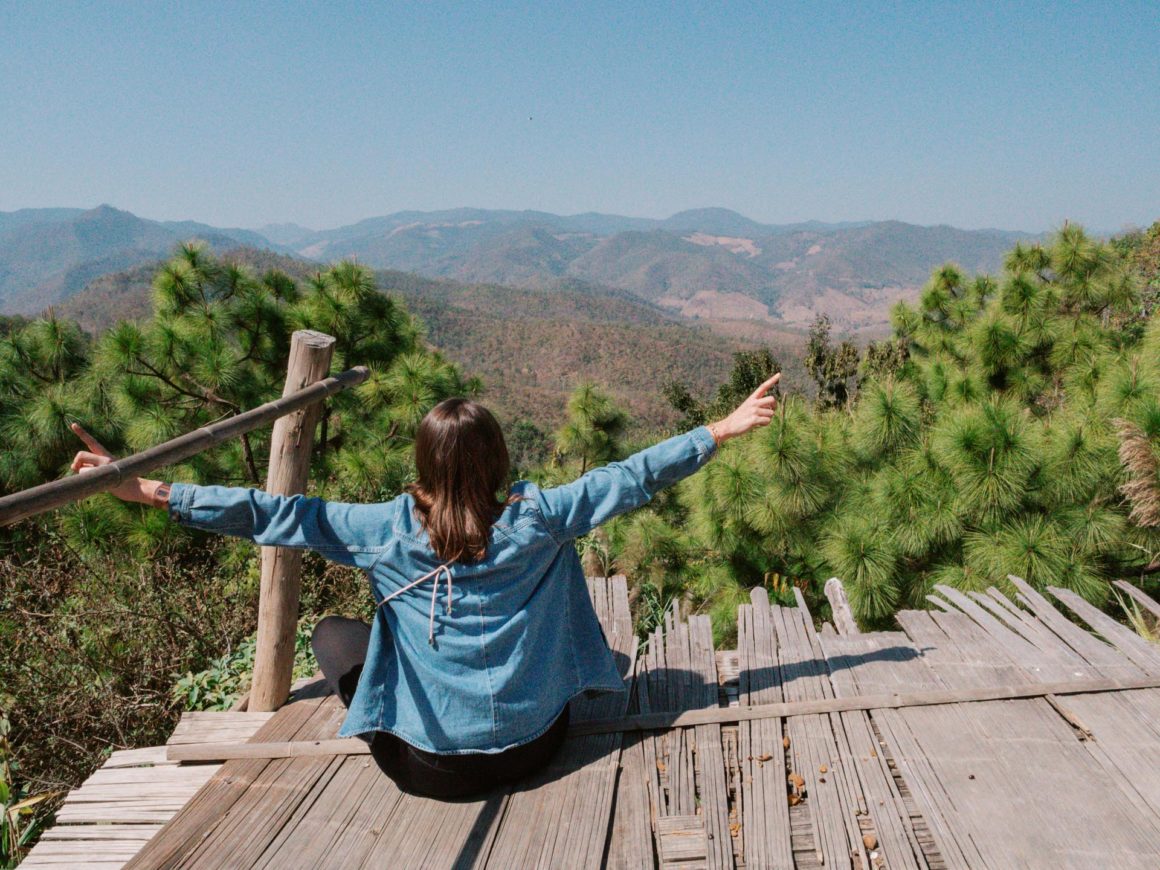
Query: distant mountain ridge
{"type": "Point", "coordinates": [47, 255]}
{"type": "Point", "coordinates": [711, 264]}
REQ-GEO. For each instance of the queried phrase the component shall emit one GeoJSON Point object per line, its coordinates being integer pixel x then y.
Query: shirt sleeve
{"type": "Point", "coordinates": [351, 534]}
{"type": "Point", "coordinates": [578, 507]}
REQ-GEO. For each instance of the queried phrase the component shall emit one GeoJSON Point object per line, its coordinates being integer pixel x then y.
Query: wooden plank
{"type": "Point", "coordinates": [1146, 601]}
{"type": "Point", "coordinates": [1044, 769]}
{"type": "Point", "coordinates": [215, 799]}
{"type": "Point", "coordinates": [844, 620]}
{"type": "Point", "coordinates": [631, 845]}
{"type": "Point", "coordinates": [272, 799]}
{"type": "Point", "coordinates": [224, 727]}
{"type": "Point", "coordinates": [149, 756]}
{"type": "Point", "coordinates": [682, 795]}
{"type": "Point", "coordinates": [1141, 653]}
{"type": "Point", "coordinates": [765, 823]}
{"type": "Point", "coordinates": [286, 749]}
{"type": "Point", "coordinates": [894, 700]}
{"type": "Point", "coordinates": [683, 841]}
{"type": "Point", "coordinates": [812, 745]}
{"type": "Point", "coordinates": [1093, 650]}
{"type": "Point", "coordinates": [710, 774]}
{"type": "Point", "coordinates": [140, 832]}
{"type": "Point", "coordinates": [122, 805]}
{"type": "Point", "coordinates": [886, 660]}
{"type": "Point", "coordinates": [881, 801]}
{"type": "Point", "coordinates": [1119, 731]}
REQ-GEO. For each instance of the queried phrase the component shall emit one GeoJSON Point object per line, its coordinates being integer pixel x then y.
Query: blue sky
{"type": "Point", "coordinates": [1014, 115]}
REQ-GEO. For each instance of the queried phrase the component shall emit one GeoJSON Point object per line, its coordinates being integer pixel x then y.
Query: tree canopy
{"type": "Point", "coordinates": [982, 441]}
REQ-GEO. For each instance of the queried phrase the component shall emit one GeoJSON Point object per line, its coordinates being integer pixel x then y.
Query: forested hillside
{"type": "Point", "coordinates": [530, 347]}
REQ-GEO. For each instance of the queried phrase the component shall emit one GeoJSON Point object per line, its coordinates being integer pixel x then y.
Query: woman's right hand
{"type": "Point", "coordinates": [95, 457]}
{"type": "Point", "coordinates": [757, 410]}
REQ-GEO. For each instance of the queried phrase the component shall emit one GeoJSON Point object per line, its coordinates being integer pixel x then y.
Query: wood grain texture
{"type": "Point", "coordinates": [989, 733]}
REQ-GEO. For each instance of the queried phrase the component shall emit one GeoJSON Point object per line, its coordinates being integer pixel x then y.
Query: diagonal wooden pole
{"type": "Point", "coordinates": [47, 496]}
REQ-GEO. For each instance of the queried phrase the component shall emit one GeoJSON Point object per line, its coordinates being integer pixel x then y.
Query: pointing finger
{"type": "Point", "coordinates": [760, 391]}
{"type": "Point", "coordinates": [92, 443]}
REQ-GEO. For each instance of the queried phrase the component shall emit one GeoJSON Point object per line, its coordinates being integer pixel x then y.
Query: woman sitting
{"type": "Point", "coordinates": [483, 629]}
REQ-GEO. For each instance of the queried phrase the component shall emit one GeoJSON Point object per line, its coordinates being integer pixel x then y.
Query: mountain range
{"type": "Point", "coordinates": [49, 254]}
{"type": "Point", "coordinates": [737, 275]}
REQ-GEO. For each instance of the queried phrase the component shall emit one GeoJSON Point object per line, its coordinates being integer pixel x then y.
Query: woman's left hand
{"type": "Point", "coordinates": [756, 410]}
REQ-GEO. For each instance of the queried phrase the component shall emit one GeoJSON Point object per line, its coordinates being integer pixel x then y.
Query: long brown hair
{"type": "Point", "coordinates": [463, 462]}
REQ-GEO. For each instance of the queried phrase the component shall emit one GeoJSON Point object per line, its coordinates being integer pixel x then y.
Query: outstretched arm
{"type": "Point", "coordinates": [351, 534]}
{"type": "Point", "coordinates": [578, 507]}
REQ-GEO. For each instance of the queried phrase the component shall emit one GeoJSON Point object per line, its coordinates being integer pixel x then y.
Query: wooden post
{"type": "Point", "coordinates": [290, 446]}
{"type": "Point", "coordinates": [844, 620]}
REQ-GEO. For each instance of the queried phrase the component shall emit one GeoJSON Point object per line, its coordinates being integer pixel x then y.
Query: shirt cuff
{"type": "Point", "coordinates": [706, 443]}
{"type": "Point", "coordinates": [180, 501]}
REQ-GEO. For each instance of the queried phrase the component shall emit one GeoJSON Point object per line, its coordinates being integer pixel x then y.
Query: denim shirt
{"type": "Point", "coordinates": [520, 637]}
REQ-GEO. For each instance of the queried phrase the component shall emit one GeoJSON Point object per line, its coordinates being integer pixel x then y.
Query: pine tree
{"type": "Point", "coordinates": [981, 442]}
{"type": "Point", "coordinates": [216, 345]}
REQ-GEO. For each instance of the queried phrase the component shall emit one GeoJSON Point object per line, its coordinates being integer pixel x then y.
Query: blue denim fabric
{"type": "Point", "coordinates": [521, 638]}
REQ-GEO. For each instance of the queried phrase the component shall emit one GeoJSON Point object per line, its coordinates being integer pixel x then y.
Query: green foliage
{"type": "Point", "coordinates": [228, 678]}
{"type": "Point", "coordinates": [982, 441]}
{"type": "Point", "coordinates": [751, 368]}
{"type": "Point", "coordinates": [831, 367]}
{"type": "Point", "coordinates": [103, 604]}
{"type": "Point", "coordinates": [21, 818]}
{"type": "Point", "coordinates": [596, 424]}
{"type": "Point", "coordinates": [528, 447]}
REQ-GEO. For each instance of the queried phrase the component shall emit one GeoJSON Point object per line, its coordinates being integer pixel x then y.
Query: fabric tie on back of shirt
{"type": "Point", "coordinates": [443, 570]}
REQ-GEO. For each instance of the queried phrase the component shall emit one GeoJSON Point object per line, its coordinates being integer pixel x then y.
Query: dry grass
{"type": "Point", "coordinates": [1143, 486]}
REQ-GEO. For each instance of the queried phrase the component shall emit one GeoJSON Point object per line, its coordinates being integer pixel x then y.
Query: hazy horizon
{"type": "Point", "coordinates": [245, 115]}
{"type": "Point", "coordinates": [565, 214]}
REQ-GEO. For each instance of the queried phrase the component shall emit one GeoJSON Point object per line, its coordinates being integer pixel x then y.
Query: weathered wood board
{"type": "Point", "coordinates": [1049, 776]}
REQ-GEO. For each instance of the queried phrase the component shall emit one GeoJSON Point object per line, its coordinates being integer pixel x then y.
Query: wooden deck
{"type": "Point", "coordinates": [1063, 780]}
{"type": "Point", "coordinates": [119, 808]}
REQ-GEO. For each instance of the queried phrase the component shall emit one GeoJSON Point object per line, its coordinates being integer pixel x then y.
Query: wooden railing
{"type": "Point", "coordinates": [295, 417]}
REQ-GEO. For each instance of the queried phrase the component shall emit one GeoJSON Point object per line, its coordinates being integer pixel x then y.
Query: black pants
{"type": "Point", "coordinates": [340, 645]}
